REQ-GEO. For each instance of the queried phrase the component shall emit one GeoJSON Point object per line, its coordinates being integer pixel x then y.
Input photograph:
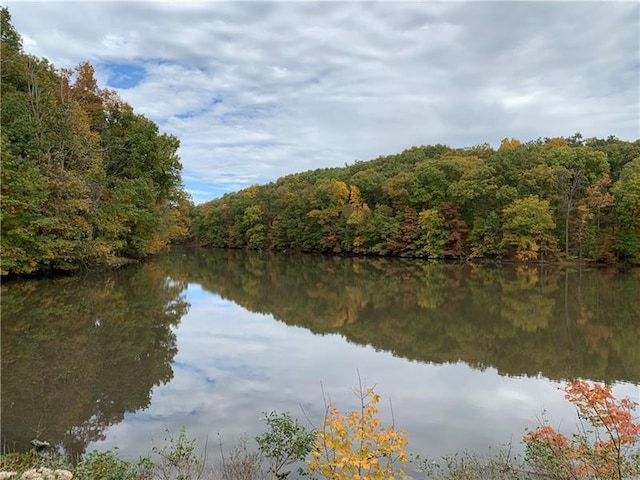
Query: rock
{"type": "Point", "coordinates": [43, 473]}
{"type": "Point", "coordinates": [7, 475]}
{"type": "Point", "coordinates": [39, 444]}
{"type": "Point", "coordinates": [33, 474]}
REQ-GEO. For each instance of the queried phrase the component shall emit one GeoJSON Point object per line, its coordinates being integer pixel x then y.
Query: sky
{"type": "Point", "coordinates": [258, 90]}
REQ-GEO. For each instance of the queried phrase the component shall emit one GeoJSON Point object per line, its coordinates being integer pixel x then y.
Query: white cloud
{"type": "Point", "coordinates": [257, 90]}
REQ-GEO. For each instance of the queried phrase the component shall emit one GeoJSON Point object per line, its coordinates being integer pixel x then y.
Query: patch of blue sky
{"type": "Point", "coordinates": [194, 113]}
{"type": "Point", "coordinates": [124, 75]}
{"type": "Point", "coordinates": [203, 192]}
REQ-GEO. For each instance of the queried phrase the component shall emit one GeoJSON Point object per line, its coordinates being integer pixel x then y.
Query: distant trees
{"type": "Point", "coordinates": [541, 200]}
{"type": "Point", "coordinates": [84, 178]}
{"type": "Point", "coordinates": [626, 195]}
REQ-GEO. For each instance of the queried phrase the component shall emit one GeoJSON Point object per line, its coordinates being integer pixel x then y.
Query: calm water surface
{"type": "Point", "coordinates": [469, 355]}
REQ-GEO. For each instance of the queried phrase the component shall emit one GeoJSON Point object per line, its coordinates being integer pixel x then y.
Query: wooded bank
{"type": "Point", "coordinates": [85, 179]}
{"type": "Point", "coordinates": [545, 200]}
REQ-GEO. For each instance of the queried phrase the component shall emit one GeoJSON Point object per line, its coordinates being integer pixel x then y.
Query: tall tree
{"type": "Point", "coordinates": [575, 169]}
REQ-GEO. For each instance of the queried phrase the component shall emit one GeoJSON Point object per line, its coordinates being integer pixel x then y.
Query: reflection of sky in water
{"type": "Point", "coordinates": [232, 365]}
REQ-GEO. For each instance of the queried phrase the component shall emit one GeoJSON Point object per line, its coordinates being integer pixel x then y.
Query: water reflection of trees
{"type": "Point", "coordinates": [522, 320]}
{"type": "Point", "coordinates": [80, 352]}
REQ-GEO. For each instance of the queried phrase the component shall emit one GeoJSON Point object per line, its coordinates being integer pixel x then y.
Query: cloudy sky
{"type": "Point", "coordinates": [257, 90]}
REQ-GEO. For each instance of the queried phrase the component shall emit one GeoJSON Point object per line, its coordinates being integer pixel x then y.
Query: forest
{"type": "Point", "coordinates": [85, 180]}
{"type": "Point", "coordinates": [550, 199]}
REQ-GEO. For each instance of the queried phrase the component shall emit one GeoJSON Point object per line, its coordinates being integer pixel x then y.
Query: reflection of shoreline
{"type": "Point", "coordinates": [70, 339]}
{"type": "Point", "coordinates": [522, 320]}
{"type": "Point", "coordinates": [490, 408]}
{"type": "Point", "coordinates": [80, 352]}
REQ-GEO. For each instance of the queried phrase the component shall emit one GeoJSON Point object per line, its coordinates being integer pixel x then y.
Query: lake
{"type": "Point", "coordinates": [464, 356]}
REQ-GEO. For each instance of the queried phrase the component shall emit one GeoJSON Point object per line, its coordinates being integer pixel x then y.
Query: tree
{"type": "Point", "coordinates": [528, 228]}
{"type": "Point", "coordinates": [327, 199]}
{"type": "Point", "coordinates": [23, 194]}
{"type": "Point", "coordinates": [590, 211]}
{"type": "Point", "coordinates": [434, 236]}
{"type": "Point", "coordinates": [602, 451]}
{"type": "Point", "coordinates": [286, 442]}
{"type": "Point", "coordinates": [373, 208]}
{"type": "Point", "coordinates": [575, 169]}
{"type": "Point", "coordinates": [84, 177]}
{"type": "Point", "coordinates": [10, 37]}
{"type": "Point", "coordinates": [11, 53]}
{"type": "Point", "coordinates": [508, 144]}
{"type": "Point", "coordinates": [381, 231]}
{"type": "Point", "coordinates": [254, 229]}
{"type": "Point", "coordinates": [485, 236]}
{"type": "Point", "coordinates": [356, 214]}
{"type": "Point", "coordinates": [430, 185]}
{"type": "Point", "coordinates": [457, 245]}
{"type": "Point", "coordinates": [626, 192]}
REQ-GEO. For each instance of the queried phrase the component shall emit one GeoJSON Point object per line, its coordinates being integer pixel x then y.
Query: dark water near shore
{"type": "Point", "coordinates": [469, 355]}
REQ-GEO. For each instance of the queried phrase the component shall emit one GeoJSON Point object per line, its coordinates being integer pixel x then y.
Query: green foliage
{"type": "Point", "coordinates": [84, 178]}
{"type": "Point", "coordinates": [627, 210]}
{"type": "Point", "coordinates": [107, 466]}
{"type": "Point", "coordinates": [286, 442]}
{"type": "Point", "coordinates": [434, 236]}
{"type": "Point", "coordinates": [486, 236]}
{"type": "Point", "coordinates": [24, 192]}
{"type": "Point", "coordinates": [178, 460]}
{"type": "Point", "coordinates": [377, 207]}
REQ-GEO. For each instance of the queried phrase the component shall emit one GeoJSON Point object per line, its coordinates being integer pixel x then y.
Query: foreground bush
{"type": "Point", "coordinates": [354, 445]}
{"type": "Point", "coordinates": [605, 446]}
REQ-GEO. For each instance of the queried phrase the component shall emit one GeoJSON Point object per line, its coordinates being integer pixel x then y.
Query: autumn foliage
{"type": "Point", "coordinates": [604, 448]}
{"type": "Point", "coordinates": [85, 180]}
{"type": "Point", "coordinates": [540, 201]}
{"type": "Point", "coordinates": [355, 445]}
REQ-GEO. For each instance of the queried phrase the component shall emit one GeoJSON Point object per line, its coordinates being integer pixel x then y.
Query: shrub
{"type": "Point", "coordinates": [178, 460]}
{"type": "Point", "coordinates": [107, 466]}
{"type": "Point", "coordinates": [605, 448]}
{"type": "Point", "coordinates": [286, 442]}
{"type": "Point", "coordinates": [355, 446]}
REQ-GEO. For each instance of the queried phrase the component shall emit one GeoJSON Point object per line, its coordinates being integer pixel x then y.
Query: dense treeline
{"type": "Point", "coordinates": [84, 178]}
{"type": "Point", "coordinates": [547, 199]}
